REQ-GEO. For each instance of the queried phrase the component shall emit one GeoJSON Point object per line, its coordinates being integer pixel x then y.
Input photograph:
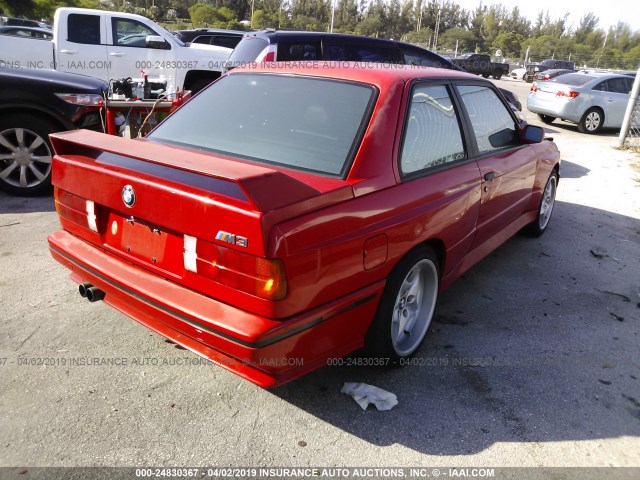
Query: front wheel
{"type": "Point", "coordinates": [25, 154]}
{"type": "Point", "coordinates": [497, 76]}
{"type": "Point", "coordinates": [547, 202]}
{"type": "Point", "coordinates": [591, 121]}
{"type": "Point", "coordinates": [406, 308]}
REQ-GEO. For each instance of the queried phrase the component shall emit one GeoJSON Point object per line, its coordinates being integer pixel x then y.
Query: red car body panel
{"type": "Point", "coordinates": [338, 239]}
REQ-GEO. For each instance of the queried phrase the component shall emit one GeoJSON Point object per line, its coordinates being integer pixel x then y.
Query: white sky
{"type": "Point", "coordinates": [609, 11]}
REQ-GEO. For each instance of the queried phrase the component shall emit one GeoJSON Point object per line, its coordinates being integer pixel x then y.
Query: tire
{"type": "Point", "coordinates": [497, 76]}
{"type": "Point", "coordinates": [591, 121]}
{"type": "Point", "coordinates": [406, 308]}
{"type": "Point", "coordinates": [545, 209]}
{"type": "Point", "coordinates": [25, 154]}
{"type": "Point", "coordinates": [546, 118]}
{"type": "Point", "coordinates": [485, 75]}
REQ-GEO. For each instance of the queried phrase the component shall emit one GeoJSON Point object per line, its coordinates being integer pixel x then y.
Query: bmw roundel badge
{"type": "Point", "coordinates": [128, 196]}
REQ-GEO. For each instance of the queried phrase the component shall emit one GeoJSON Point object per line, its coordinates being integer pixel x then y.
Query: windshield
{"type": "Point", "coordinates": [298, 122]}
{"type": "Point", "coordinates": [172, 36]}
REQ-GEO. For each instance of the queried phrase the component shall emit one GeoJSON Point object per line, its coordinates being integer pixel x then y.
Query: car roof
{"type": "Point", "coordinates": [275, 36]}
{"type": "Point", "coordinates": [592, 77]}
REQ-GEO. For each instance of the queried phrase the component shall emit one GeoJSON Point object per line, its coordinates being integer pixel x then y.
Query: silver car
{"type": "Point", "coordinates": [592, 100]}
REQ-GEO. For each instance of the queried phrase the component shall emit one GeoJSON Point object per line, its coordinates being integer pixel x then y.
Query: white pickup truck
{"type": "Point", "coordinates": [112, 45]}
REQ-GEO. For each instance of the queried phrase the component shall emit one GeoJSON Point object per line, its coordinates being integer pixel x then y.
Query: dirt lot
{"type": "Point", "coordinates": [533, 359]}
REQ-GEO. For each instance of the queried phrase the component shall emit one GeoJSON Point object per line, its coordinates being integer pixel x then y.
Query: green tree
{"type": "Point", "coordinates": [510, 43]}
{"type": "Point", "coordinates": [202, 15]}
{"type": "Point", "coordinates": [459, 37]}
{"type": "Point", "coordinates": [18, 8]}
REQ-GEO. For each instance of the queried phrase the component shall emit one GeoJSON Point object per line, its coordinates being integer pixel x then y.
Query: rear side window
{"type": "Point", "coordinates": [361, 53]}
{"type": "Point", "coordinates": [290, 51]}
{"type": "Point", "coordinates": [493, 125]}
{"type": "Point", "coordinates": [83, 29]}
{"type": "Point", "coordinates": [424, 59]}
{"type": "Point", "coordinates": [371, 53]}
{"type": "Point", "coordinates": [432, 133]}
{"type": "Point", "coordinates": [247, 51]}
{"type": "Point", "coordinates": [299, 122]}
{"type": "Point", "coordinates": [618, 85]}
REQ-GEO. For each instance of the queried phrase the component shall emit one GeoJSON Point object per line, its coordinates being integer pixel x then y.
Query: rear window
{"type": "Point", "coordinates": [299, 122]}
{"type": "Point", "coordinates": [574, 79]}
{"type": "Point", "coordinates": [247, 51]}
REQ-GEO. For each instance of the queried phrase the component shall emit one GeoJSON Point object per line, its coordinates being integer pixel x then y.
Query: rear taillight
{"type": "Point", "coordinates": [270, 57]}
{"type": "Point", "coordinates": [534, 88]}
{"type": "Point", "coordinates": [567, 93]}
{"type": "Point", "coordinates": [77, 209]}
{"type": "Point", "coordinates": [267, 55]}
{"type": "Point", "coordinates": [262, 277]}
{"type": "Point", "coordinates": [547, 77]}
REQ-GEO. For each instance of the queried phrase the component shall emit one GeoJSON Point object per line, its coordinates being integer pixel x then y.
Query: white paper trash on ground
{"type": "Point", "coordinates": [365, 394]}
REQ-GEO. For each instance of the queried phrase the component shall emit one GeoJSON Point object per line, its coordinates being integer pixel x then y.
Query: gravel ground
{"type": "Point", "coordinates": [533, 358]}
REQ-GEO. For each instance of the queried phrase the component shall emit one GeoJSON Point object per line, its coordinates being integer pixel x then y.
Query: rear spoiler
{"type": "Point", "coordinates": [264, 188]}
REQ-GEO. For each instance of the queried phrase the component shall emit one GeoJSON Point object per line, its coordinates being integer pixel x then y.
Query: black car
{"type": "Point", "coordinates": [548, 64]}
{"type": "Point", "coordinates": [282, 46]}
{"type": "Point", "coordinates": [211, 36]}
{"type": "Point", "coordinates": [33, 104]}
{"type": "Point", "coordinates": [28, 32]}
{"type": "Point", "coordinates": [22, 22]}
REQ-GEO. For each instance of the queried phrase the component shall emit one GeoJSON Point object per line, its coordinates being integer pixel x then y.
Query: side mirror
{"type": "Point", "coordinates": [533, 134]}
{"type": "Point", "coordinates": [156, 41]}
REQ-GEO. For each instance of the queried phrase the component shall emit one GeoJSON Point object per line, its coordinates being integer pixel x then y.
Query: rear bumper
{"type": "Point", "coordinates": [264, 351]}
{"type": "Point", "coordinates": [562, 110]}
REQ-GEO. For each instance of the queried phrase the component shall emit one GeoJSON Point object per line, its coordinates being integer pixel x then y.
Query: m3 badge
{"type": "Point", "coordinates": [232, 239]}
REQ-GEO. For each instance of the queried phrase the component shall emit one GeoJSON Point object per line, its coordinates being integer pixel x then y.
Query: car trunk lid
{"type": "Point", "coordinates": [177, 194]}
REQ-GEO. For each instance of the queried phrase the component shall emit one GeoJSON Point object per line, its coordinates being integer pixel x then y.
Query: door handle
{"type": "Point", "coordinates": [70, 52]}
{"type": "Point", "coordinates": [117, 54]}
{"type": "Point", "coordinates": [489, 176]}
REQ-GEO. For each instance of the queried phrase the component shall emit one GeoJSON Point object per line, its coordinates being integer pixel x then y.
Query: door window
{"type": "Point", "coordinates": [493, 126]}
{"type": "Point", "coordinates": [83, 29]}
{"type": "Point", "coordinates": [130, 33]}
{"type": "Point", "coordinates": [432, 133]}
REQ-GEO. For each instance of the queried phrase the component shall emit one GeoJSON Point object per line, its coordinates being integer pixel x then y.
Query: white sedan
{"type": "Point", "coordinates": [518, 73]}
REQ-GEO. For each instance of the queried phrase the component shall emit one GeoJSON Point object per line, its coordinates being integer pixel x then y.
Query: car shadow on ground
{"type": "Point", "coordinates": [572, 170]}
{"type": "Point", "coordinates": [15, 205]}
{"type": "Point", "coordinates": [537, 343]}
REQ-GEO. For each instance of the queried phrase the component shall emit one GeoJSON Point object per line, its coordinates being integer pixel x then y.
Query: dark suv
{"type": "Point", "coordinates": [33, 104]}
{"type": "Point", "coordinates": [283, 46]}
